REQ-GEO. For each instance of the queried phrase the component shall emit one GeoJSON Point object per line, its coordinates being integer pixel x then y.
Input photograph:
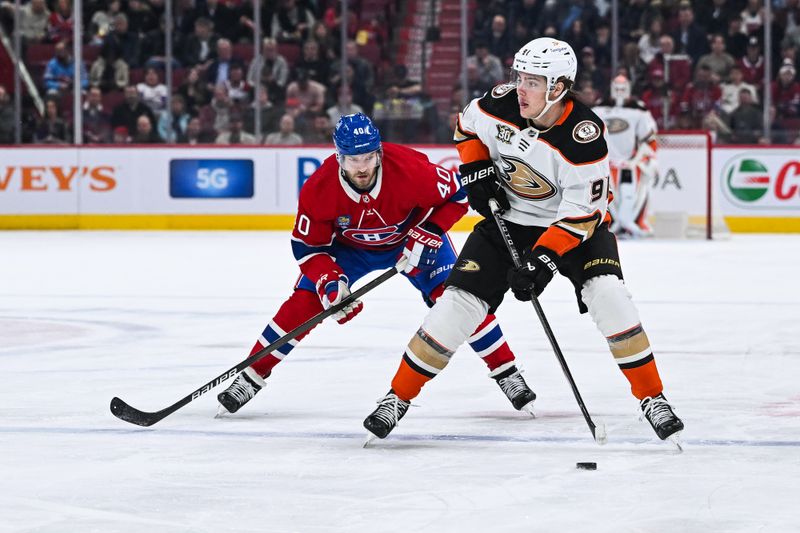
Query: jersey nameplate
{"type": "Point", "coordinates": [585, 132]}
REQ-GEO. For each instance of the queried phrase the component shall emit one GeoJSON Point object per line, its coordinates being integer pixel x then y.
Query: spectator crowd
{"type": "Point", "coordinates": [694, 65]}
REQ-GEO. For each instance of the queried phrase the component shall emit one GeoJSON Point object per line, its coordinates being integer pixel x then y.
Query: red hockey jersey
{"type": "Point", "coordinates": [409, 190]}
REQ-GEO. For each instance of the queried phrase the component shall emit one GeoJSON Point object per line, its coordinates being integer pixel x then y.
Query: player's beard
{"type": "Point", "coordinates": [362, 180]}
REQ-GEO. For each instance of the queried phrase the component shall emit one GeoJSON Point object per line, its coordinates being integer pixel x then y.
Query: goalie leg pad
{"type": "Point", "coordinates": [449, 323]}
{"type": "Point", "coordinates": [615, 315]}
{"type": "Point", "coordinates": [301, 306]}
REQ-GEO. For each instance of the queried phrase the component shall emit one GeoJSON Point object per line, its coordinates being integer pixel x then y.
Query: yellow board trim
{"type": "Point", "coordinates": [763, 224]}
{"type": "Point", "coordinates": [285, 222]}
{"type": "Point", "coordinates": [148, 222]}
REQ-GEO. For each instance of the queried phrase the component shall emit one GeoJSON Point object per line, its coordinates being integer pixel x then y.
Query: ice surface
{"type": "Point", "coordinates": [151, 316]}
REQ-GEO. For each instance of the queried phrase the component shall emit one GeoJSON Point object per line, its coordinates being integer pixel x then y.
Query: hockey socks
{"type": "Point", "coordinates": [611, 308]}
{"type": "Point", "coordinates": [633, 354]}
{"type": "Point", "coordinates": [490, 344]}
{"type": "Point", "coordinates": [301, 306]}
{"type": "Point", "coordinates": [487, 340]}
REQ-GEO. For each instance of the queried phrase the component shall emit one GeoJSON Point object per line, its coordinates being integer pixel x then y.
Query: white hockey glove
{"type": "Point", "coordinates": [332, 289]}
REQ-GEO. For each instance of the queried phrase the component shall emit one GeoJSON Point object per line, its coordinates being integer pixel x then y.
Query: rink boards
{"type": "Point", "coordinates": [145, 187]}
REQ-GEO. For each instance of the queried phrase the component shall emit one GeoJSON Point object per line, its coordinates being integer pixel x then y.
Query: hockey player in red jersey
{"type": "Point", "coordinates": [372, 206]}
{"type": "Point", "coordinates": [542, 156]}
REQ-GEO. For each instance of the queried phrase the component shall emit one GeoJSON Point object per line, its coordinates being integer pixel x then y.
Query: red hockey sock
{"type": "Point", "coordinates": [490, 344]}
{"type": "Point", "coordinates": [301, 306]}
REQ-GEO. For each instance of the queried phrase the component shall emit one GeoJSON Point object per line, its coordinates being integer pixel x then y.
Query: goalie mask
{"type": "Point", "coordinates": [620, 90]}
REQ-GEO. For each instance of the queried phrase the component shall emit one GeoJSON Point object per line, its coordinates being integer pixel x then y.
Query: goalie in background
{"type": "Point", "coordinates": [631, 134]}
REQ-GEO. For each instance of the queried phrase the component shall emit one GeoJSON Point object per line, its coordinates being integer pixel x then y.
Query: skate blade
{"type": "Point", "coordinates": [370, 437]}
{"type": "Point", "coordinates": [221, 412]}
{"type": "Point", "coordinates": [528, 408]}
{"type": "Point", "coordinates": [675, 439]}
{"type": "Point", "coordinates": [600, 433]}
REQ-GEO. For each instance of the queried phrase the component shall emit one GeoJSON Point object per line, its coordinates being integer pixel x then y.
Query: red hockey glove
{"type": "Point", "coordinates": [421, 246]}
{"type": "Point", "coordinates": [332, 288]}
{"type": "Point", "coordinates": [482, 183]}
{"type": "Point", "coordinates": [538, 267]}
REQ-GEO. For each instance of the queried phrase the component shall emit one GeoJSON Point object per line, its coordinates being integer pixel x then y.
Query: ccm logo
{"type": "Point", "coordinates": [57, 178]}
{"type": "Point", "coordinates": [477, 176]}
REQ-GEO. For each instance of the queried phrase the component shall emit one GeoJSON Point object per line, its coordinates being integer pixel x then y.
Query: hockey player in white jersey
{"type": "Point", "coordinates": [542, 155]}
{"type": "Point", "coordinates": [631, 133]}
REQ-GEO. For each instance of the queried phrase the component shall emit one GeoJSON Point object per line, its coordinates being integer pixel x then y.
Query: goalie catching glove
{"type": "Point", "coordinates": [332, 289]}
{"type": "Point", "coordinates": [420, 249]}
{"type": "Point", "coordinates": [538, 267]}
{"type": "Point", "coordinates": [482, 183]}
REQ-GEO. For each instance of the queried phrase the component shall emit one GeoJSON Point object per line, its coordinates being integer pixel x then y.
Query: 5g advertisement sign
{"type": "Point", "coordinates": [211, 178]}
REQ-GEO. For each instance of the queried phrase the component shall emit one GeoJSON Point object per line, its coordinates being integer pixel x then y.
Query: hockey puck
{"type": "Point", "coordinates": [586, 466]}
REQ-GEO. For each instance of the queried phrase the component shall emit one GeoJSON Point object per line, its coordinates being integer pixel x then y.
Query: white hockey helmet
{"type": "Point", "coordinates": [547, 57]}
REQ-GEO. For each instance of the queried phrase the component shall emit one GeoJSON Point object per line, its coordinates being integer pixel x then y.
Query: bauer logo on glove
{"type": "Point", "coordinates": [420, 250]}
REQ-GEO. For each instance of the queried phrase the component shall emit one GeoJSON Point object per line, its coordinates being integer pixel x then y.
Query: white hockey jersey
{"type": "Point", "coordinates": [554, 177]}
{"type": "Point", "coordinates": [628, 127]}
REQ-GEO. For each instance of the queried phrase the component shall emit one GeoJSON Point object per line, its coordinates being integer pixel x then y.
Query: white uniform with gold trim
{"type": "Point", "coordinates": [551, 175]}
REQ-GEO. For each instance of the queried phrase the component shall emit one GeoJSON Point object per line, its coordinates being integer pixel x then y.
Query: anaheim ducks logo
{"type": "Point", "coordinates": [616, 125]}
{"type": "Point", "coordinates": [585, 132]}
{"type": "Point", "coordinates": [524, 180]}
{"type": "Point", "coordinates": [468, 265]}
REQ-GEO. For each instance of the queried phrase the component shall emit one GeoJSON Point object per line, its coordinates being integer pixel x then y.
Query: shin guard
{"type": "Point", "coordinates": [616, 317]}
{"type": "Point", "coordinates": [448, 324]}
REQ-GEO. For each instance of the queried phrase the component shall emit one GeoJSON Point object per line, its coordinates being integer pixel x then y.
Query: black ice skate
{"type": "Point", "coordinates": [659, 413]}
{"type": "Point", "coordinates": [514, 387]}
{"type": "Point", "coordinates": [383, 419]}
{"type": "Point", "coordinates": [241, 391]}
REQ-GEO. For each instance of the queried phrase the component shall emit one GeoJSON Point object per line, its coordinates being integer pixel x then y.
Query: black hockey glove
{"type": "Point", "coordinates": [538, 267]}
{"type": "Point", "coordinates": [482, 183]}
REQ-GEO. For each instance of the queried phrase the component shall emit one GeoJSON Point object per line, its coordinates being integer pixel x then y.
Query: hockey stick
{"type": "Point", "coordinates": [125, 412]}
{"type": "Point", "coordinates": [598, 432]}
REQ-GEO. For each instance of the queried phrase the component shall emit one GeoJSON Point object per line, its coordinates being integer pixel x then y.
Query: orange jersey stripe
{"type": "Point", "coordinates": [472, 150]}
{"type": "Point", "coordinates": [558, 240]}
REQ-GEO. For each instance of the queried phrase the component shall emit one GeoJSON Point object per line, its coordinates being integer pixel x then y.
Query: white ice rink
{"type": "Point", "coordinates": [150, 316]}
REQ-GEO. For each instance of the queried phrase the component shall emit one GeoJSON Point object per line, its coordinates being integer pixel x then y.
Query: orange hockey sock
{"type": "Point", "coordinates": [423, 360]}
{"type": "Point", "coordinates": [632, 352]}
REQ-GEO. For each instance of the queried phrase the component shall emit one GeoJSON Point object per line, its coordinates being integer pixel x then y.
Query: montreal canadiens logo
{"type": "Point", "coordinates": [374, 236]}
{"type": "Point", "coordinates": [585, 132]}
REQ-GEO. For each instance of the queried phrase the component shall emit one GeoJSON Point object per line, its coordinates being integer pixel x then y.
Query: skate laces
{"type": "Point", "coordinates": [513, 385]}
{"type": "Point", "coordinates": [390, 409]}
{"type": "Point", "coordinates": [657, 410]}
{"type": "Point", "coordinates": [242, 390]}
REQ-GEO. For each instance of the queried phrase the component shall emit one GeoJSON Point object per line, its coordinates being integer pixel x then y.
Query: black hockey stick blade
{"type": "Point", "coordinates": [128, 413]}
{"type": "Point", "coordinates": [125, 412]}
